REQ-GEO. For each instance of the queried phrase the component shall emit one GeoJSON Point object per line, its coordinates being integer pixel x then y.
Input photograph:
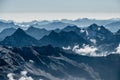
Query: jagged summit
{"type": "Point", "coordinates": [19, 38]}
{"type": "Point", "coordinates": [19, 31]}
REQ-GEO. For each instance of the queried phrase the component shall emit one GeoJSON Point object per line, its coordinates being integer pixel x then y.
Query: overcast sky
{"type": "Point", "coordinates": [70, 7]}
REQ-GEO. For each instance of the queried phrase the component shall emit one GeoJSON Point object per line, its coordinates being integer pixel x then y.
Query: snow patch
{"type": "Point", "coordinates": [66, 48]}
{"type": "Point", "coordinates": [24, 76]}
{"type": "Point", "coordinates": [31, 61]}
{"type": "Point", "coordinates": [99, 28]}
{"type": "Point", "coordinates": [93, 41]}
{"type": "Point", "coordinates": [87, 33]}
{"type": "Point", "coordinates": [82, 31]}
{"type": "Point", "coordinates": [23, 73]}
{"type": "Point", "coordinates": [10, 76]}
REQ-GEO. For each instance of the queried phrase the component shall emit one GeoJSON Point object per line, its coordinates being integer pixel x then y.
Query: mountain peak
{"type": "Point", "coordinates": [53, 33]}
{"type": "Point", "coordinates": [72, 27]}
{"type": "Point", "coordinates": [19, 39]}
{"type": "Point", "coordinates": [118, 32]}
{"type": "Point", "coordinates": [31, 27]}
{"type": "Point", "coordinates": [19, 31]}
{"type": "Point", "coordinates": [94, 27]}
{"type": "Point", "coordinates": [93, 24]}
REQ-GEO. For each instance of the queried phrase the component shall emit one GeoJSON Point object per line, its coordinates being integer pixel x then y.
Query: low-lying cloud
{"type": "Point", "coordinates": [85, 50]}
{"type": "Point", "coordinates": [23, 76]}
{"type": "Point", "coordinates": [118, 49]}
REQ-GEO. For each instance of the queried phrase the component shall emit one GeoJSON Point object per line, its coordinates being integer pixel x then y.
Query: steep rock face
{"type": "Point", "coordinates": [19, 38]}
{"type": "Point", "coordinates": [63, 39]}
{"type": "Point", "coordinates": [100, 34]}
{"type": "Point", "coordinates": [9, 62]}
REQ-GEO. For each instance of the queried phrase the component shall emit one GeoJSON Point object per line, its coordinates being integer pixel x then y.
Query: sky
{"type": "Point", "coordinates": [26, 10]}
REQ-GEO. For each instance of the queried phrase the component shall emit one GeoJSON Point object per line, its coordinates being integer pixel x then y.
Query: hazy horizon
{"type": "Point", "coordinates": [28, 10]}
{"type": "Point", "coordinates": [27, 17]}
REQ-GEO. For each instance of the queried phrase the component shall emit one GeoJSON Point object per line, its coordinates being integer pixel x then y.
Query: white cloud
{"type": "Point", "coordinates": [23, 73]}
{"type": "Point", "coordinates": [10, 76]}
{"type": "Point", "coordinates": [23, 76]}
{"type": "Point", "coordinates": [88, 50]}
{"type": "Point", "coordinates": [118, 49]}
{"type": "Point", "coordinates": [26, 78]}
{"type": "Point", "coordinates": [85, 50]}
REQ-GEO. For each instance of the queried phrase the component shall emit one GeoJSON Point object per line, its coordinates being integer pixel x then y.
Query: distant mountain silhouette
{"type": "Point", "coordinates": [114, 26]}
{"type": "Point", "coordinates": [72, 28]}
{"type": "Point", "coordinates": [5, 25]}
{"type": "Point", "coordinates": [85, 22]}
{"type": "Point", "coordinates": [6, 32]}
{"type": "Point", "coordinates": [52, 25]}
{"type": "Point", "coordinates": [36, 32]}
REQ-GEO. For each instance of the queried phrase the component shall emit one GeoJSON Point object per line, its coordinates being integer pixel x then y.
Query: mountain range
{"type": "Point", "coordinates": [68, 36]}
{"type": "Point", "coordinates": [50, 25]}
{"type": "Point", "coordinates": [60, 50]}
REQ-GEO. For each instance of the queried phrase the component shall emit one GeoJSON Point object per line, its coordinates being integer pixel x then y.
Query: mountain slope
{"type": "Point", "coordinates": [52, 63]}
